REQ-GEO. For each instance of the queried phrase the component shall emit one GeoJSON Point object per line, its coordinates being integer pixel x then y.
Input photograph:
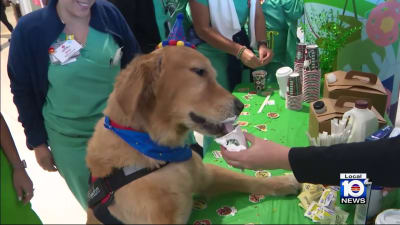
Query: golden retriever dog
{"type": "Point", "coordinates": [167, 93]}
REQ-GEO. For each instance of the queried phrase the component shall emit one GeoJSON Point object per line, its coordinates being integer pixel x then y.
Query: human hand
{"type": "Point", "coordinates": [261, 155]}
{"type": "Point", "coordinates": [249, 59]}
{"type": "Point", "coordinates": [45, 158]}
{"type": "Point", "coordinates": [22, 185]}
{"type": "Point", "coordinates": [265, 54]}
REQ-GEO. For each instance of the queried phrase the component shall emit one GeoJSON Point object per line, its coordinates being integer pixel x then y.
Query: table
{"type": "Point", "coordinates": [289, 129]}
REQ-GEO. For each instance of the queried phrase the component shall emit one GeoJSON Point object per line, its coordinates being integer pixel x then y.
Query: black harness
{"type": "Point", "coordinates": [101, 192]}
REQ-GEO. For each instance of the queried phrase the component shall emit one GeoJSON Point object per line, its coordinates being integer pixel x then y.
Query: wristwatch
{"type": "Point", "coordinates": [263, 42]}
{"type": "Point", "coordinates": [22, 165]}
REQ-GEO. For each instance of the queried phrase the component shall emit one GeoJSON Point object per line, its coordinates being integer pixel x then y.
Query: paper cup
{"type": "Point", "coordinates": [282, 75]}
{"type": "Point", "coordinates": [259, 80]}
{"type": "Point", "coordinates": [389, 216]}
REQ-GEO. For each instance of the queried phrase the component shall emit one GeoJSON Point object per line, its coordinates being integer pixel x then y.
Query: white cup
{"type": "Point", "coordinates": [282, 75]}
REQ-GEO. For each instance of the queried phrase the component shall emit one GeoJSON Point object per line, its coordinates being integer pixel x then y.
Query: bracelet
{"type": "Point", "coordinates": [241, 50]}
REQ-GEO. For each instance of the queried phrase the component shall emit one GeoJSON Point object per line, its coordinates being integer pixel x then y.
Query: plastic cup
{"type": "Point", "coordinates": [282, 75]}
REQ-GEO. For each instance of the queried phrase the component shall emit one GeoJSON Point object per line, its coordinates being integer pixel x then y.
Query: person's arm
{"type": "Point", "coordinates": [265, 54]}
{"type": "Point", "coordinates": [22, 183]}
{"type": "Point", "coordinates": [201, 23]}
{"type": "Point", "coordinates": [323, 165]}
{"type": "Point", "coordinates": [30, 115]}
{"type": "Point", "coordinates": [379, 159]}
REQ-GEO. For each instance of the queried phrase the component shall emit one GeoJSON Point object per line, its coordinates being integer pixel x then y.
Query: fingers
{"type": "Point", "coordinates": [19, 193]}
{"type": "Point", "coordinates": [47, 164]}
{"type": "Point", "coordinates": [250, 137]}
{"type": "Point", "coordinates": [28, 196]}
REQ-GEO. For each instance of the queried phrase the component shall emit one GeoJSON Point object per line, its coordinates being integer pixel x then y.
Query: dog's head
{"type": "Point", "coordinates": [169, 92]}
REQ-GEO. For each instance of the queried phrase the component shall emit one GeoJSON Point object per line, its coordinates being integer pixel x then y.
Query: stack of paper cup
{"type": "Point", "coordinates": [294, 97]}
{"type": "Point", "coordinates": [282, 75]}
{"type": "Point", "coordinates": [311, 74]}
{"type": "Point", "coordinates": [300, 58]}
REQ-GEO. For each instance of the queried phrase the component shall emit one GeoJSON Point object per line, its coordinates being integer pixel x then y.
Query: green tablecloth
{"type": "Point", "coordinates": [289, 129]}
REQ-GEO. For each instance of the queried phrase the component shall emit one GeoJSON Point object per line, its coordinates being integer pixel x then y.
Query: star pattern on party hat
{"type": "Point", "coordinates": [176, 36]}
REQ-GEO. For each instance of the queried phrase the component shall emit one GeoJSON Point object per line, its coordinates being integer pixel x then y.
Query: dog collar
{"type": "Point", "coordinates": [142, 142]}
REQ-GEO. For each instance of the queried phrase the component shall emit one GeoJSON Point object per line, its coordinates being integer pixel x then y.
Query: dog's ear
{"type": "Point", "coordinates": [135, 83]}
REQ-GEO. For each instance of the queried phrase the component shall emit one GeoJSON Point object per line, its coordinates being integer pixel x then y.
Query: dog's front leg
{"type": "Point", "coordinates": [91, 219]}
{"type": "Point", "coordinates": [221, 180]}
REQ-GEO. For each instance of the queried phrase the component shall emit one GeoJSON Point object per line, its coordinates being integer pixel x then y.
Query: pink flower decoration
{"type": "Point", "coordinates": [382, 25]}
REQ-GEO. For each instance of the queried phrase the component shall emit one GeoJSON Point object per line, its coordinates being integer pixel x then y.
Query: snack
{"type": "Point", "coordinates": [244, 113]}
{"type": "Point", "coordinates": [246, 106]}
{"type": "Point", "coordinates": [242, 123]}
{"type": "Point", "coordinates": [262, 174]}
{"type": "Point", "coordinates": [256, 198]}
{"type": "Point", "coordinates": [273, 115]}
{"type": "Point", "coordinates": [227, 211]}
{"type": "Point", "coordinates": [202, 222]}
{"type": "Point", "coordinates": [233, 141]}
{"type": "Point", "coordinates": [261, 127]}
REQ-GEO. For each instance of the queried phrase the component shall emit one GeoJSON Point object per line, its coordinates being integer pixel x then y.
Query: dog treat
{"type": "Point", "coordinates": [246, 106]}
{"type": "Point", "coordinates": [244, 113]}
{"type": "Point", "coordinates": [256, 198]}
{"type": "Point", "coordinates": [202, 222]}
{"type": "Point", "coordinates": [217, 154]}
{"type": "Point", "coordinates": [261, 127]}
{"type": "Point", "coordinates": [248, 97]}
{"type": "Point", "coordinates": [233, 141]}
{"type": "Point", "coordinates": [227, 211]}
{"type": "Point", "coordinates": [252, 92]}
{"type": "Point", "coordinates": [242, 123]}
{"type": "Point", "coordinates": [273, 115]}
{"type": "Point", "coordinates": [262, 174]}
{"type": "Point", "coordinates": [200, 204]}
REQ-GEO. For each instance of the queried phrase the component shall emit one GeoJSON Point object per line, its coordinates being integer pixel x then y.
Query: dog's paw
{"type": "Point", "coordinates": [156, 164]}
{"type": "Point", "coordinates": [285, 185]}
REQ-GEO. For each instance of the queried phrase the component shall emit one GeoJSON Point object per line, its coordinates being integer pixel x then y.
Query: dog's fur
{"type": "Point", "coordinates": [159, 93]}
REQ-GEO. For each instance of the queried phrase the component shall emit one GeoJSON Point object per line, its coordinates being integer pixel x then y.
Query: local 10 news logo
{"type": "Point", "coordinates": [353, 188]}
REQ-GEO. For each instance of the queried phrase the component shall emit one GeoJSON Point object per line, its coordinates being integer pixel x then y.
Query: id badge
{"type": "Point", "coordinates": [67, 50]}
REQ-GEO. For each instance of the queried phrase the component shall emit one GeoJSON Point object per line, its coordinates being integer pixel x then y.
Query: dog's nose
{"type": "Point", "coordinates": [238, 106]}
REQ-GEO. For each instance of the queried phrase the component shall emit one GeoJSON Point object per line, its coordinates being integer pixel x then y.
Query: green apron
{"type": "Point", "coordinates": [12, 210]}
{"type": "Point", "coordinates": [281, 23]}
{"type": "Point", "coordinates": [75, 101]}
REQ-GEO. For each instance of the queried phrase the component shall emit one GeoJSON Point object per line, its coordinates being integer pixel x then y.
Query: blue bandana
{"type": "Point", "coordinates": [142, 142]}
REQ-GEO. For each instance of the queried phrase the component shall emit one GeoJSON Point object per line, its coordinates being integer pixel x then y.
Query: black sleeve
{"type": "Point", "coordinates": [323, 165]}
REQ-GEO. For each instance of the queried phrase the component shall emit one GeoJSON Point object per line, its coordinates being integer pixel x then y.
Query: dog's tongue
{"type": "Point", "coordinates": [228, 124]}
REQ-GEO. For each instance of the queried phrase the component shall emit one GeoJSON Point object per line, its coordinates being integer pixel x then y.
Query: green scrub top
{"type": "Point", "coordinates": [76, 98]}
{"type": "Point", "coordinates": [12, 210]}
{"type": "Point", "coordinates": [78, 91]}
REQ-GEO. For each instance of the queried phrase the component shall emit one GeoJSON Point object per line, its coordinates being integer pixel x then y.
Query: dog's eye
{"type": "Point", "coordinates": [198, 71]}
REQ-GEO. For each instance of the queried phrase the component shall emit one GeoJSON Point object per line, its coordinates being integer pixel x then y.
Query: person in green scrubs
{"type": "Point", "coordinates": [71, 114]}
{"type": "Point", "coordinates": [16, 186]}
{"type": "Point", "coordinates": [218, 49]}
{"type": "Point", "coordinates": [281, 18]}
{"type": "Point", "coordinates": [59, 101]}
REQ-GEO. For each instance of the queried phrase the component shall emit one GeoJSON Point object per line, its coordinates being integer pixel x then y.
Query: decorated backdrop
{"type": "Point", "coordinates": [358, 35]}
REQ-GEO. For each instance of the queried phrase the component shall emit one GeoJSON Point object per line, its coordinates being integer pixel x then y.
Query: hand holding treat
{"type": "Point", "coordinates": [261, 155]}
